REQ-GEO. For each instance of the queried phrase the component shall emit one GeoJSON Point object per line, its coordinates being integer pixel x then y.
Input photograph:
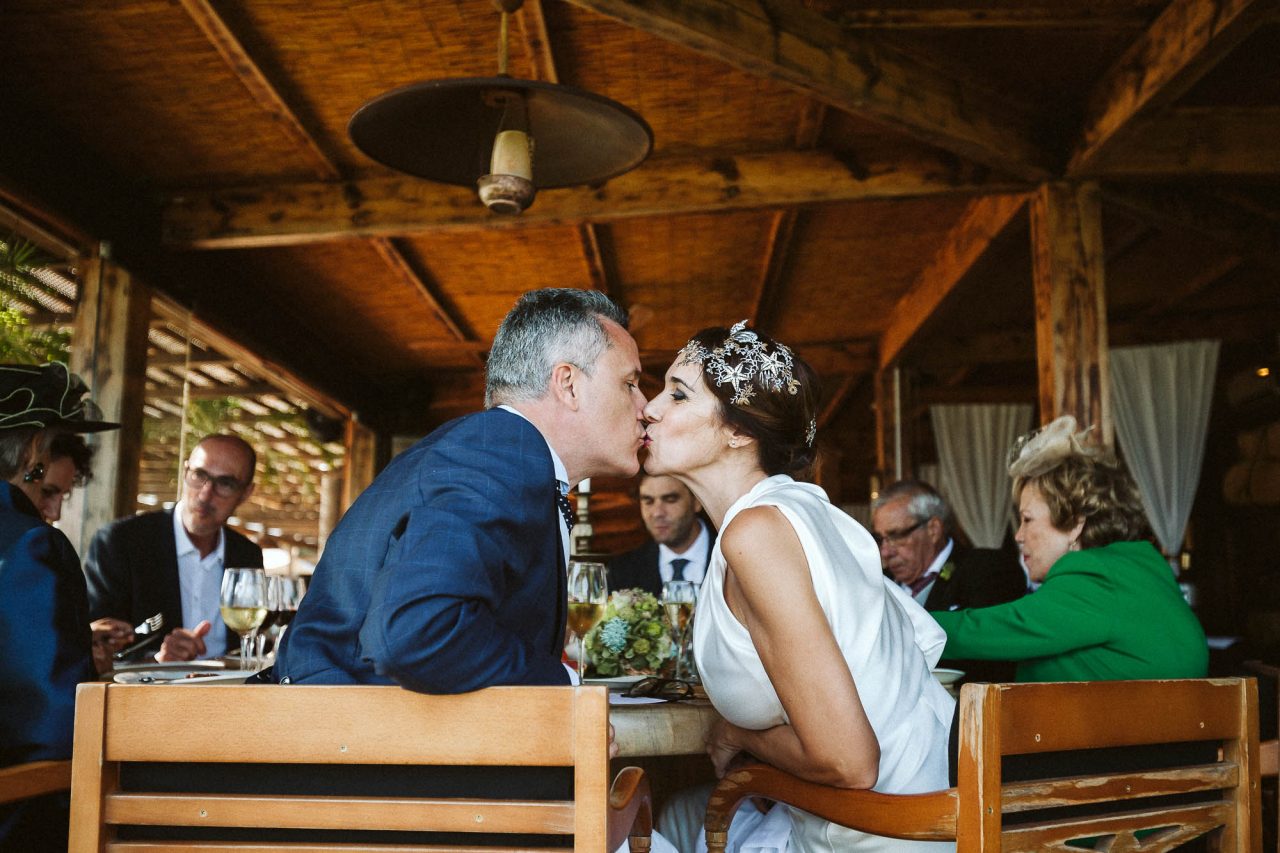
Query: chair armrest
{"type": "Point", "coordinates": [23, 781]}
{"type": "Point", "coordinates": [630, 809]}
{"type": "Point", "coordinates": [1269, 757]}
{"type": "Point", "coordinates": [925, 817]}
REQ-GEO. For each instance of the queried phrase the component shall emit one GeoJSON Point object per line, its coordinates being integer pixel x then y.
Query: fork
{"type": "Point", "coordinates": [150, 629]}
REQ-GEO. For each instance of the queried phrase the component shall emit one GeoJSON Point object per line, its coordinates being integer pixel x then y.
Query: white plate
{"type": "Point", "coordinates": [186, 666]}
{"type": "Point", "coordinates": [616, 681]}
{"type": "Point", "coordinates": [947, 676]}
{"type": "Point", "coordinates": [179, 675]}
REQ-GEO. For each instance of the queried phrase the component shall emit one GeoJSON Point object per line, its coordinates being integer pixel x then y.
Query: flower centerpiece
{"type": "Point", "coordinates": [632, 638]}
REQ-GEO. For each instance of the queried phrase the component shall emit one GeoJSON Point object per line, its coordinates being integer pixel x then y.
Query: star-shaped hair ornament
{"type": "Point", "coordinates": [743, 361]}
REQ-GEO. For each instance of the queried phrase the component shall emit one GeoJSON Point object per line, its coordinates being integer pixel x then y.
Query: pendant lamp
{"type": "Point", "coordinates": [505, 136]}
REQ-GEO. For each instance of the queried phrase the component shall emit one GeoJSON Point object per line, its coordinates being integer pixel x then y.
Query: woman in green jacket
{"type": "Point", "coordinates": [1108, 606]}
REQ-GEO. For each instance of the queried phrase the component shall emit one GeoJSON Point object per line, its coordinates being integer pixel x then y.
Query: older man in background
{"type": "Point", "coordinates": [913, 525]}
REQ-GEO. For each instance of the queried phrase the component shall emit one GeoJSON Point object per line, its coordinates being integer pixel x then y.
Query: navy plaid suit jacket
{"type": "Point", "coordinates": [446, 575]}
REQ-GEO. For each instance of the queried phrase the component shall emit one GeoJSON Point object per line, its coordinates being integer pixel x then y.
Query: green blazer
{"type": "Point", "coordinates": [1101, 614]}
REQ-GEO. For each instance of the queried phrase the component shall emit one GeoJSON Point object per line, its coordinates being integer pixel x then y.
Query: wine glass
{"type": "Point", "coordinates": [678, 598]}
{"type": "Point", "coordinates": [244, 606]}
{"type": "Point", "coordinates": [588, 592]}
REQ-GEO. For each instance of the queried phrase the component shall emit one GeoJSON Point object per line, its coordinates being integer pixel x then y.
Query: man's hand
{"type": "Point", "coordinates": [182, 644]}
{"type": "Point", "coordinates": [112, 634]}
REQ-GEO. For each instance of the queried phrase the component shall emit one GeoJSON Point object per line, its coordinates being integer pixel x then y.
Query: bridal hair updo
{"type": "Point", "coordinates": [1079, 482]}
{"type": "Point", "coordinates": [765, 391]}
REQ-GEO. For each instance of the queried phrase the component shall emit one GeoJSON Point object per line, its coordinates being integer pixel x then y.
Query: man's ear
{"type": "Point", "coordinates": [936, 533]}
{"type": "Point", "coordinates": [563, 385]}
{"type": "Point", "coordinates": [246, 494]}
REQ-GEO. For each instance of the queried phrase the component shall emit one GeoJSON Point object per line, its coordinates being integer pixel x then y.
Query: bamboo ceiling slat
{"type": "Point", "coordinates": [168, 94]}
{"type": "Point", "coordinates": [874, 251]}
{"type": "Point", "coordinates": [336, 55]}
{"type": "Point", "coordinates": [691, 102]}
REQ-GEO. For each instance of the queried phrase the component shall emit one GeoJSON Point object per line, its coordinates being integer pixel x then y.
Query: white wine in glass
{"type": "Point", "coordinates": [588, 592]}
{"type": "Point", "coordinates": [244, 606]}
{"type": "Point", "coordinates": [678, 599]}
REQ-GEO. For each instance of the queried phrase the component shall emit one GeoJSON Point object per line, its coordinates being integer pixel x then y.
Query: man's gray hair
{"type": "Point", "coordinates": [544, 328]}
{"type": "Point", "coordinates": [925, 502]}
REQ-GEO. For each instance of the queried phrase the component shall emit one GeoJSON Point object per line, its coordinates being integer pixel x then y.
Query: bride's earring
{"type": "Point", "coordinates": [733, 442]}
{"type": "Point", "coordinates": [35, 475]}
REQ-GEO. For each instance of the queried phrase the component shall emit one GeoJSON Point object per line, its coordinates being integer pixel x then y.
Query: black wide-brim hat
{"type": "Point", "coordinates": [47, 395]}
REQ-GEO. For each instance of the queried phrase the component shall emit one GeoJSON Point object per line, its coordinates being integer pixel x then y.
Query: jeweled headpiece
{"type": "Point", "coordinates": [753, 361]}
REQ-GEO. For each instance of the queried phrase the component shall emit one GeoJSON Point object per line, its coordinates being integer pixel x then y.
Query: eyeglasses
{"type": "Point", "coordinates": [893, 537]}
{"type": "Point", "coordinates": [224, 486]}
{"type": "Point", "coordinates": [667, 689]}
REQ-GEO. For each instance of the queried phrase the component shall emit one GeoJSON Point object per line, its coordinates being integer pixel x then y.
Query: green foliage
{"type": "Point", "coordinates": [18, 341]}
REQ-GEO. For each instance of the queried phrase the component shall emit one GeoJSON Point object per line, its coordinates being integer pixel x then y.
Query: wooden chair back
{"type": "Point", "coordinates": [1164, 806]}
{"type": "Point", "coordinates": [33, 779]}
{"type": "Point", "coordinates": [199, 725]}
{"type": "Point", "coordinates": [1269, 749]}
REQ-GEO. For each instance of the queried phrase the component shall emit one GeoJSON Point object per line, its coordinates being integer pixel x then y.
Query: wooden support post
{"type": "Point", "coordinates": [1071, 317]}
{"type": "Point", "coordinates": [109, 351]}
{"type": "Point", "coordinates": [362, 464]}
{"type": "Point", "coordinates": [893, 446]}
{"type": "Point", "coordinates": [331, 483]}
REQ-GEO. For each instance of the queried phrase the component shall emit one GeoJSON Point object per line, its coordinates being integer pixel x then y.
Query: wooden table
{"type": "Point", "coordinates": [669, 728]}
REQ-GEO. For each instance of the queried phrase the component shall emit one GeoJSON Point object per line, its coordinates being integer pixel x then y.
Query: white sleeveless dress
{"type": "Point", "coordinates": [888, 640]}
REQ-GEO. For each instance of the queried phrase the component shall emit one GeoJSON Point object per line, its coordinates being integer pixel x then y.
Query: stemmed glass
{"type": "Point", "coordinates": [244, 606]}
{"type": "Point", "coordinates": [588, 592]}
{"type": "Point", "coordinates": [678, 599]}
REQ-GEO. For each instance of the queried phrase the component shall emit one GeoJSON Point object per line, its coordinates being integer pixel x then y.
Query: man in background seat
{"type": "Point", "coordinates": [680, 545]}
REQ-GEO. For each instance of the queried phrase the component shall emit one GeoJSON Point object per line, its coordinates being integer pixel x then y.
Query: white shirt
{"type": "Point", "coordinates": [935, 567]}
{"type": "Point", "coordinates": [562, 477]}
{"type": "Point", "coordinates": [696, 554]}
{"type": "Point", "coordinates": [200, 582]}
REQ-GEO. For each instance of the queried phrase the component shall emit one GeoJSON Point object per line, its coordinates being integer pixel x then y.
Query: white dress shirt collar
{"type": "Point", "coordinates": [696, 554]}
{"type": "Point", "coordinates": [200, 585]}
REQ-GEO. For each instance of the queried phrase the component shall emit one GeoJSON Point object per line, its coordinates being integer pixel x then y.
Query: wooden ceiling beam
{"type": "Point", "coordinates": [982, 221]}
{"type": "Point", "coordinates": [532, 23]}
{"type": "Point", "coordinates": [295, 214]}
{"type": "Point", "coordinates": [260, 88]}
{"type": "Point", "coordinates": [1244, 232]}
{"type": "Point", "coordinates": [210, 392]}
{"type": "Point", "coordinates": [778, 245]}
{"type": "Point", "coordinates": [1079, 16]}
{"type": "Point", "coordinates": [1199, 141]}
{"type": "Point", "coordinates": [783, 41]}
{"type": "Point", "coordinates": [1186, 40]}
{"type": "Point", "coordinates": [399, 265]}
{"type": "Point", "coordinates": [269, 98]}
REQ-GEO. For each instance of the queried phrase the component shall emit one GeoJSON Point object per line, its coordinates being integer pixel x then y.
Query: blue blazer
{"type": "Point", "coordinates": [446, 575]}
{"type": "Point", "coordinates": [47, 651]}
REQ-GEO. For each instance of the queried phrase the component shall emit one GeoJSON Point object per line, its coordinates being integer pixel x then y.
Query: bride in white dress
{"type": "Point", "coordinates": [817, 664]}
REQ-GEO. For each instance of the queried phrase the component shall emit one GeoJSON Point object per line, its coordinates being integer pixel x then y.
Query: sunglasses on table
{"type": "Point", "coordinates": [667, 689]}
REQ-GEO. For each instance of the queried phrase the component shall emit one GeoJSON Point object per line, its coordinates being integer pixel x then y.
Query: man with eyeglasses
{"type": "Point", "coordinates": [171, 562]}
{"type": "Point", "coordinates": [913, 526]}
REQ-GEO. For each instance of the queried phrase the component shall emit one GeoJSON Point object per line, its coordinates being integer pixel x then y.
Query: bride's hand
{"type": "Point", "coordinates": [723, 747]}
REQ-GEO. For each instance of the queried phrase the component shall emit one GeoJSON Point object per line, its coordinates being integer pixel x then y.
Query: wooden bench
{"type": "Point", "coordinates": [343, 729]}
{"type": "Point", "coordinates": [986, 812]}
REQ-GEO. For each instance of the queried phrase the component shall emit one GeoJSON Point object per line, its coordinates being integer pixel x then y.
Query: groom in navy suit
{"type": "Point", "coordinates": [448, 573]}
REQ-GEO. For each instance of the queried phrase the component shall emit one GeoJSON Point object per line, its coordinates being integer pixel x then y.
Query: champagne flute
{"type": "Point", "coordinates": [244, 606]}
{"type": "Point", "coordinates": [588, 592]}
{"type": "Point", "coordinates": [678, 598]}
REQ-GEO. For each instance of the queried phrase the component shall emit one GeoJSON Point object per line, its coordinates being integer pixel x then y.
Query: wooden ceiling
{"type": "Point", "coordinates": [850, 175]}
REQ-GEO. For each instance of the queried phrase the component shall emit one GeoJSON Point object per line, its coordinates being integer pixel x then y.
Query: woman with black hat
{"type": "Point", "coordinates": [45, 641]}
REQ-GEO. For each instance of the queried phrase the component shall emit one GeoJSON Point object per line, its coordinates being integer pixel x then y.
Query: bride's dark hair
{"type": "Point", "coordinates": [781, 420]}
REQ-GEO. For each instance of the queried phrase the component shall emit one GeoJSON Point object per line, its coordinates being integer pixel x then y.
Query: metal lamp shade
{"type": "Point", "coordinates": [443, 130]}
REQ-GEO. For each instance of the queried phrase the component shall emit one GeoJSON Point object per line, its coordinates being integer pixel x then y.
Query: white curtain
{"type": "Point", "coordinates": [1160, 396]}
{"type": "Point", "coordinates": [973, 447]}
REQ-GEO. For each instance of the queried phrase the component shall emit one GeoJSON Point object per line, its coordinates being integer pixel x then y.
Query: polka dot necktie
{"type": "Point", "coordinates": [677, 568]}
{"type": "Point", "coordinates": [566, 508]}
